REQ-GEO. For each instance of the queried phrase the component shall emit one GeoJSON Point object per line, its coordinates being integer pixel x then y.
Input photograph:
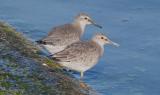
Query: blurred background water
{"type": "Point", "coordinates": [131, 69]}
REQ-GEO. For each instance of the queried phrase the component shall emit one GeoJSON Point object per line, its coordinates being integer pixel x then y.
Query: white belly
{"type": "Point", "coordinates": [54, 49]}
{"type": "Point", "coordinates": [77, 66]}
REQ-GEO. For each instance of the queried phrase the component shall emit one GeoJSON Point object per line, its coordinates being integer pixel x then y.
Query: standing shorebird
{"type": "Point", "coordinates": [62, 36]}
{"type": "Point", "coordinates": [83, 55]}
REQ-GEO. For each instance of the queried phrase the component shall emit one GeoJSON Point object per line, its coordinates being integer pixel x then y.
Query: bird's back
{"type": "Point", "coordinates": [60, 37]}
{"type": "Point", "coordinates": [83, 55]}
{"type": "Point", "coordinates": [65, 34]}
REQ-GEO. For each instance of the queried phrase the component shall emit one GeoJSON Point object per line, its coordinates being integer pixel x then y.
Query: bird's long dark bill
{"type": "Point", "coordinates": [95, 24]}
{"type": "Point", "coordinates": [114, 44]}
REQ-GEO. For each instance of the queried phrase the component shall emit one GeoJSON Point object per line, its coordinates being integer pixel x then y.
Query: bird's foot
{"type": "Point", "coordinates": [50, 55]}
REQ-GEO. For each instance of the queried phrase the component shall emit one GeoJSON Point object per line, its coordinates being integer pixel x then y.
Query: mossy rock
{"type": "Point", "coordinates": [22, 72]}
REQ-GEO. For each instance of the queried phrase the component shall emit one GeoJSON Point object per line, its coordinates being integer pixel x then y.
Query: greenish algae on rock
{"type": "Point", "coordinates": [22, 72]}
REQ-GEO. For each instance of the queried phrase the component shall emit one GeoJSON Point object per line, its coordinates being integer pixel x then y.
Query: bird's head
{"type": "Point", "coordinates": [102, 40]}
{"type": "Point", "coordinates": [85, 19]}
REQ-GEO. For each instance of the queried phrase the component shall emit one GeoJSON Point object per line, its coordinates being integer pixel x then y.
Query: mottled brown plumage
{"type": "Point", "coordinates": [62, 36]}
{"type": "Point", "coordinates": [82, 55]}
{"type": "Point", "coordinates": [65, 31]}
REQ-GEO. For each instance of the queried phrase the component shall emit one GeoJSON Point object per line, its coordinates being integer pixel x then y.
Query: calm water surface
{"type": "Point", "coordinates": [131, 69]}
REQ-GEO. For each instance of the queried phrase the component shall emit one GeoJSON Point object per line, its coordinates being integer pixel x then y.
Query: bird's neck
{"type": "Point", "coordinates": [80, 25]}
{"type": "Point", "coordinates": [99, 45]}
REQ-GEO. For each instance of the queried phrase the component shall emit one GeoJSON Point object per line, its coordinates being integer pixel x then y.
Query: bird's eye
{"type": "Point", "coordinates": [102, 37]}
{"type": "Point", "coordinates": [85, 18]}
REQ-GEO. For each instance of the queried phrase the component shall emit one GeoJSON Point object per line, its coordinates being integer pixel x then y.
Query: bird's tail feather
{"type": "Point", "coordinates": [59, 59]}
{"type": "Point", "coordinates": [41, 42]}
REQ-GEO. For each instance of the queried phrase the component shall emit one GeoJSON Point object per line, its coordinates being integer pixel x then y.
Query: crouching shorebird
{"type": "Point", "coordinates": [62, 36]}
{"type": "Point", "coordinates": [83, 55]}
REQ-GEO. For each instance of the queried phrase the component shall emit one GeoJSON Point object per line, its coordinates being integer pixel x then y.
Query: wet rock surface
{"type": "Point", "coordinates": [22, 72]}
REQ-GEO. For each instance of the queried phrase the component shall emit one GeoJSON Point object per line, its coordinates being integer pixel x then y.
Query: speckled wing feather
{"type": "Point", "coordinates": [62, 35]}
{"type": "Point", "coordinates": [78, 52]}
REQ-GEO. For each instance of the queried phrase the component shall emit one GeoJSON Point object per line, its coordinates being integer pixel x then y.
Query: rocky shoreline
{"type": "Point", "coordinates": [22, 72]}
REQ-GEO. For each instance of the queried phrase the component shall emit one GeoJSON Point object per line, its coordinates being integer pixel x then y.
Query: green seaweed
{"type": "Point", "coordinates": [22, 71]}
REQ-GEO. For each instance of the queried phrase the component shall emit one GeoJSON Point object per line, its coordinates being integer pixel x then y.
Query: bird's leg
{"type": "Point", "coordinates": [81, 74]}
{"type": "Point", "coordinates": [50, 55]}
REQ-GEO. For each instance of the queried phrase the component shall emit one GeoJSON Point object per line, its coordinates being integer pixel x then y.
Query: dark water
{"type": "Point", "coordinates": [131, 69]}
